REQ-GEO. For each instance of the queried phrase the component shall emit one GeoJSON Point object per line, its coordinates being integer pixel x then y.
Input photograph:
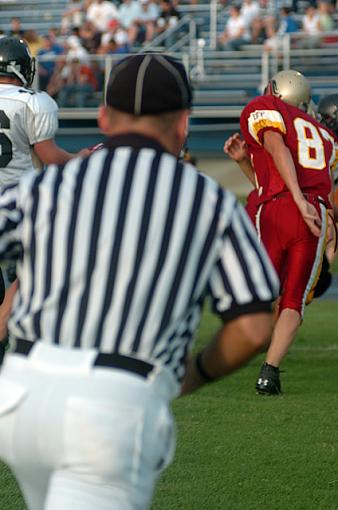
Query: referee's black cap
{"type": "Point", "coordinates": [149, 84]}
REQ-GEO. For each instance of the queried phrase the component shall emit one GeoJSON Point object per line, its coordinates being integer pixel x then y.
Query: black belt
{"type": "Point", "coordinates": [103, 359]}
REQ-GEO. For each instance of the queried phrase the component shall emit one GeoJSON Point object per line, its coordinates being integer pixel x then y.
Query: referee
{"type": "Point", "coordinates": [116, 255]}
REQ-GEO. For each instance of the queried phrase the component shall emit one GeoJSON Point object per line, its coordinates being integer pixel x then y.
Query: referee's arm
{"type": "Point", "coordinates": [236, 343]}
{"type": "Point", "coordinates": [243, 286]}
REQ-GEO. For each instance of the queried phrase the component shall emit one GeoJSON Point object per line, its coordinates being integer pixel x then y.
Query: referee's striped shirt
{"type": "Point", "coordinates": [118, 251]}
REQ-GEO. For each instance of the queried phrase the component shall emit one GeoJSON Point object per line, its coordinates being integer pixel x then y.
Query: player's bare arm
{"type": "Point", "coordinates": [236, 148]}
{"type": "Point", "coordinates": [237, 342]}
{"type": "Point", "coordinates": [5, 309]}
{"type": "Point", "coordinates": [274, 144]}
{"type": "Point", "coordinates": [50, 153]}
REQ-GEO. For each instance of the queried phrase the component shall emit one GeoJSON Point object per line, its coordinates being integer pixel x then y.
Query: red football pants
{"type": "Point", "coordinates": [295, 252]}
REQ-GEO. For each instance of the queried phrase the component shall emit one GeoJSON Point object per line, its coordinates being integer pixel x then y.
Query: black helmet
{"type": "Point", "coordinates": [16, 60]}
{"type": "Point", "coordinates": [328, 112]}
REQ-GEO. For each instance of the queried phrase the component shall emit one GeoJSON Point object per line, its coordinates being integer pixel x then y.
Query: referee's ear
{"type": "Point", "coordinates": [182, 128]}
{"type": "Point", "coordinates": [103, 120]}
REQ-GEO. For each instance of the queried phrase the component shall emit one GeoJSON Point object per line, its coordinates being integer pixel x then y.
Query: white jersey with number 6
{"type": "Point", "coordinates": [27, 117]}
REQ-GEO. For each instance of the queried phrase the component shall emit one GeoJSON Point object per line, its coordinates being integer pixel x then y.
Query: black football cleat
{"type": "Point", "coordinates": [268, 382]}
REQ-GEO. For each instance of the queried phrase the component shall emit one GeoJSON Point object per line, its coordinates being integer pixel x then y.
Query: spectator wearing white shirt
{"type": "Point", "coordinates": [74, 49]}
{"type": "Point", "coordinates": [144, 25]}
{"type": "Point", "coordinates": [73, 16]}
{"type": "Point", "coordinates": [115, 33]}
{"type": "Point", "coordinates": [100, 12]}
{"type": "Point", "coordinates": [236, 31]}
{"type": "Point", "coordinates": [127, 13]}
{"type": "Point", "coordinates": [311, 28]}
{"type": "Point", "coordinates": [251, 12]}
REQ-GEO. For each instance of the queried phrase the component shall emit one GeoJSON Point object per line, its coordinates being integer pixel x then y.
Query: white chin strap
{"type": "Point", "coordinates": [14, 70]}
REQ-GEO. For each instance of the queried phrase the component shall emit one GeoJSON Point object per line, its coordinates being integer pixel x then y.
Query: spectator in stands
{"type": "Point", "coordinates": [79, 85]}
{"type": "Point", "coordinates": [236, 31]}
{"type": "Point", "coordinates": [57, 81]}
{"type": "Point", "coordinates": [33, 40]}
{"type": "Point", "coordinates": [55, 35]}
{"type": "Point", "coordinates": [118, 45]}
{"type": "Point", "coordinates": [143, 27]}
{"type": "Point", "coordinates": [168, 16]}
{"type": "Point", "coordinates": [90, 37]}
{"type": "Point", "coordinates": [46, 56]}
{"type": "Point", "coordinates": [127, 14]}
{"type": "Point", "coordinates": [250, 10]}
{"type": "Point", "coordinates": [251, 13]}
{"type": "Point", "coordinates": [311, 28]}
{"type": "Point", "coordinates": [75, 50]}
{"type": "Point", "coordinates": [73, 16]}
{"type": "Point", "coordinates": [273, 39]}
{"type": "Point", "coordinates": [259, 24]}
{"type": "Point", "coordinates": [287, 23]}
{"type": "Point", "coordinates": [326, 20]}
{"type": "Point", "coordinates": [16, 29]}
{"type": "Point", "coordinates": [100, 12]}
{"type": "Point", "coordinates": [115, 40]}
{"type": "Point", "coordinates": [268, 8]}
{"type": "Point", "coordinates": [275, 32]}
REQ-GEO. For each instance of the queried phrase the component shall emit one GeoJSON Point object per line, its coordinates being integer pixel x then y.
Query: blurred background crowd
{"type": "Point", "coordinates": [68, 72]}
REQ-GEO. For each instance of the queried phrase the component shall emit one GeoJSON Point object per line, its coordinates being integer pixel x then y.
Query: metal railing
{"type": "Point", "coordinates": [238, 74]}
{"type": "Point", "coordinates": [210, 13]}
{"type": "Point", "coordinates": [171, 34]}
{"type": "Point", "coordinates": [319, 63]}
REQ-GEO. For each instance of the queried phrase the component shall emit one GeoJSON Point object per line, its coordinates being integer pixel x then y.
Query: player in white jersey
{"type": "Point", "coordinates": [28, 118]}
{"type": "Point", "coordinates": [28, 124]}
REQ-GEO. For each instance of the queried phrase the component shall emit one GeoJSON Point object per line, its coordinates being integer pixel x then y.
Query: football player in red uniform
{"type": "Point", "coordinates": [291, 154]}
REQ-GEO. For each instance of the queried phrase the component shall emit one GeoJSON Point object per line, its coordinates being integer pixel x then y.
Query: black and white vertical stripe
{"type": "Point", "coordinates": [118, 251]}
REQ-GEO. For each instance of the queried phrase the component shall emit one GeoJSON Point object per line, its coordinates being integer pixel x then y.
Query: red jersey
{"type": "Point", "coordinates": [312, 146]}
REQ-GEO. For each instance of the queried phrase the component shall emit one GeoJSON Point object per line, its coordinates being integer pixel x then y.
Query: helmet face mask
{"type": "Point", "coordinates": [328, 112]}
{"type": "Point", "coordinates": [16, 60]}
{"type": "Point", "coordinates": [292, 87]}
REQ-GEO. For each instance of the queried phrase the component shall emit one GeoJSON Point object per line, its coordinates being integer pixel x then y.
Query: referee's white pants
{"type": "Point", "coordinates": [83, 438]}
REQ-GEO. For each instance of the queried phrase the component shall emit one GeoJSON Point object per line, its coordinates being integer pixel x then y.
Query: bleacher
{"type": "Point", "coordinates": [223, 81]}
{"type": "Point", "coordinates": [38, 14]}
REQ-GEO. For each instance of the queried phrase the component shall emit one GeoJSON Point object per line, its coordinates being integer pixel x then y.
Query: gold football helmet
{"type": "Point", "coordinates": [292, 87]}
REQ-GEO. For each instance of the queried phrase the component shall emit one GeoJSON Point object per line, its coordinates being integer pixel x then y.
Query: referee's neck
{"type": "Point", "coordinates": [168, 129]}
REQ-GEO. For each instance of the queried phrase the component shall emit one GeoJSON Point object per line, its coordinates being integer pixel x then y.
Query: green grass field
{"type": "Point", "coordinates": [237, 450]}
